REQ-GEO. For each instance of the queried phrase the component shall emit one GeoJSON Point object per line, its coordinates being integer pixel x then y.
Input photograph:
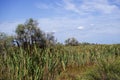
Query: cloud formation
{"type": "Point", "coordinates": [93, 6]}
{"type": "Point", "coordinates": [68, 5]}
{"type": "Point", "coordinates": [83, 7]}
{"type": "Point", "coordinates": [64, 28]}
{"type": "Point", "coordinates": [80, 28]}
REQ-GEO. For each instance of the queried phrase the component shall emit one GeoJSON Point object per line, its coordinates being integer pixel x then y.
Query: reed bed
{"type": "Point", "coordinates": [51, 63]}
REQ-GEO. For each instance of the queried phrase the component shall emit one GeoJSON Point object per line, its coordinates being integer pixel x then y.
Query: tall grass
{"type": "Point", "coordinates": [49, 63]}
{"type": "Point", "coordinates": [104, 70]}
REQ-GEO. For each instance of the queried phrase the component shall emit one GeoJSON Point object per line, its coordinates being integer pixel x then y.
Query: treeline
{"type": "Point", "coordinates": [29, 34]}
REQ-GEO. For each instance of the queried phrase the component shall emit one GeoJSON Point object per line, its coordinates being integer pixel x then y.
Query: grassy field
{"type": "Point", "coordinates": [84, 62]}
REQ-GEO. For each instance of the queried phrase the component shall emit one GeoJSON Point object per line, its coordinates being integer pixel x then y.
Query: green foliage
{"type": "Point", "coordinates": [71, 41]}
{"type": "Point", "coordinates": [29, 33]}
{"type": "Point", "coordinates": [91, 62]}
{"type": "Point", "coordinates": [105, 69]}
{"type": "Point", "coordinates": [5, 42]}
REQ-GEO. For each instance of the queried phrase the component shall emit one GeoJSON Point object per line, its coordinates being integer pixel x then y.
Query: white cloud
{"type": "Point", "coordinates": [80, 27]}
{"type": "Point", "coordinates": [66, 24]}
{"type": "Point", "coordinates": [65, 27]}
{"type": "Point", "coordinates": [93, 6]}
{"type": "Point", "coordinates": [103, 7]}
{"type": "Point", "coordinates": [85, 7]}
{"type": "Point", "coordinates": [70, 6]}
{"type": "Point", "coordinates": [92, 18]}
{"type": "Point", "coordinates": [92, 24]}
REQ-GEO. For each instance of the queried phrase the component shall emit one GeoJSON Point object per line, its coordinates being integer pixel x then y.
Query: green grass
{"type": "Point", "coordinates": [84, 62]}
{"type": "Point", "coordinates": [104, 70]}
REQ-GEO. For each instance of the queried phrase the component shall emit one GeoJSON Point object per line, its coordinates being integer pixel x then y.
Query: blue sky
{"type": "Point", "coordinates": [94, 21]}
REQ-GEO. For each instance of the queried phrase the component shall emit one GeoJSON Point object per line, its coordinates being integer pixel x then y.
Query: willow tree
{"type": "Point", "coordinates": [29, 34]}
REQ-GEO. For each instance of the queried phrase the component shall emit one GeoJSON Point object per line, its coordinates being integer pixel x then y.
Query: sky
{"type": "Point", "coordinates": [93, 21]}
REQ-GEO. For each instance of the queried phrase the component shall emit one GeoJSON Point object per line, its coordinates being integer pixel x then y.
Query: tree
{"type": "Point", "coordinates": [71, 41]}
{"type": "Point", "coordinates": [30, 34]}
{"type": "Point", "coordinates": [50, 39]}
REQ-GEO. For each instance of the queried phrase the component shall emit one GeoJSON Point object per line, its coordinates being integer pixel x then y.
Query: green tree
{"type": "Point", "coordinates": [71, 41]}
{"type": "Point", "coordinates": [50, 39]}
{"type": "Point", "coordinates": [29, 34]}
